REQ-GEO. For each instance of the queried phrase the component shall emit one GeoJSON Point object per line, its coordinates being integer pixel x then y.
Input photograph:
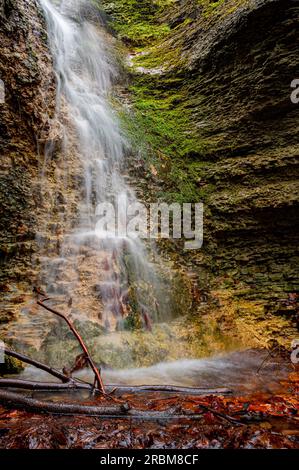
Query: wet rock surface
{"type": "Point", "coordinates": [27, 75]}
{"type": "Point", "coordinates": [219, 123]}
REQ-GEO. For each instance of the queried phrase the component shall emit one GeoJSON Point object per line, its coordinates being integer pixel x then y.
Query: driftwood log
{"type": "Point", "coordinates": [169, 389]}
{"type": "Point", "coordinates": [15, 400]}
{"type": "Point", "coordinates": [44, 386]}
{"type": "Point", "coordinates": [74, 385]}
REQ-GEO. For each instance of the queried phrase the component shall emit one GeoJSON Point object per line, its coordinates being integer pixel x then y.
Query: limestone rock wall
{"type": "Point", "coordinates": [241, 66]}
{"type": "Point", "coordinates": [26, 70]}
{"type": "Point", "coordinates": [211, 97]}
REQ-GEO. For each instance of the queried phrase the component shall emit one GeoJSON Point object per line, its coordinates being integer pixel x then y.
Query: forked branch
{"type": "Point", "coordinates": [98, 379]}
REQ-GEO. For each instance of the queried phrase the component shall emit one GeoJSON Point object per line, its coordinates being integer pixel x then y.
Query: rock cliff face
{"type": "Point", "coordinates": [239, 65]}
{"type": "Point", "coordinates": [26, 71]}
{"type": "Point", "coordinates": [40, 180]}
{"type": "Point", "coordinates": [211, 91]}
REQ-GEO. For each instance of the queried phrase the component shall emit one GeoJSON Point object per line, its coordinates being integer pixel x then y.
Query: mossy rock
{"type": "Point", "coordinates": [11, 366]}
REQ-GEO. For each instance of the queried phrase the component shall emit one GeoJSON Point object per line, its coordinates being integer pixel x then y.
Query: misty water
{"type": "Point", "coordinates": [241, 372]}
{"type": "Point", "coordinates": [85, 72]}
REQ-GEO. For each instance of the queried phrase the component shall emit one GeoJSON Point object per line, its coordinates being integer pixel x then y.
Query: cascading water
{"type": "Point", "coordinates": [111, 280]}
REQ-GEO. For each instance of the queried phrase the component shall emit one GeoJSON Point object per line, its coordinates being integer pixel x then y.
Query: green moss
{"type": "Point", "coordinates": [162, 117]}
{"type": "Point", "coordinates": [135, 22]}
{"type": "Point", "coordinates": [11, 366]}
{"type": "Point", "coordinates": [132, 322]}
{"type": "Point", "coordinates": [209, 7]}
{"type": "Point", "coordinates": [162, 121]}
{"type": "Point", "coordinates": [218, 7]}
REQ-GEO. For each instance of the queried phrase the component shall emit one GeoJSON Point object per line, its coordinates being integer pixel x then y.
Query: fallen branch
{"type": "Point", "coordinates": [54, 372]}
{"type": "Point", "coordinates": [169, 389]}
{"type": "Point", "coordinates": [98, 378]}
{"type": "Point", "coordinates": [44, 386]}
{"type": "Point", "coordinates": [75, 385]}
{"type": "Point", "coordinates": [15, 400]}
{"type": "Point", "coordinates": [228, 418]}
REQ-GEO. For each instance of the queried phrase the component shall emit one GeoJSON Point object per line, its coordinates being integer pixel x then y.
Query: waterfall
{"type": "Point", "coordinates": [111, 280]}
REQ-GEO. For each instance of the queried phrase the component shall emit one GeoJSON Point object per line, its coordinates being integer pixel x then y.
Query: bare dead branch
{"type": "Point", "coordinates": [15, 400]}
{"type": "Point", "coordinates": [228, 418]}
{"type": "Point", "coordinates": [54, 372]}
{"type": "Point", "coordinates": [119, 389]}
{"type": "Point", "coordinates": [44, 386]}
{"type": "Point", "coordinates": [167, 389]}
{"type": "Point", "coordinates": [98, 378]}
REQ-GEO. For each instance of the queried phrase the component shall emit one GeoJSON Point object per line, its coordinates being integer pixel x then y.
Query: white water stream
{"type": "Point", "coordinates": [85, 73]}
